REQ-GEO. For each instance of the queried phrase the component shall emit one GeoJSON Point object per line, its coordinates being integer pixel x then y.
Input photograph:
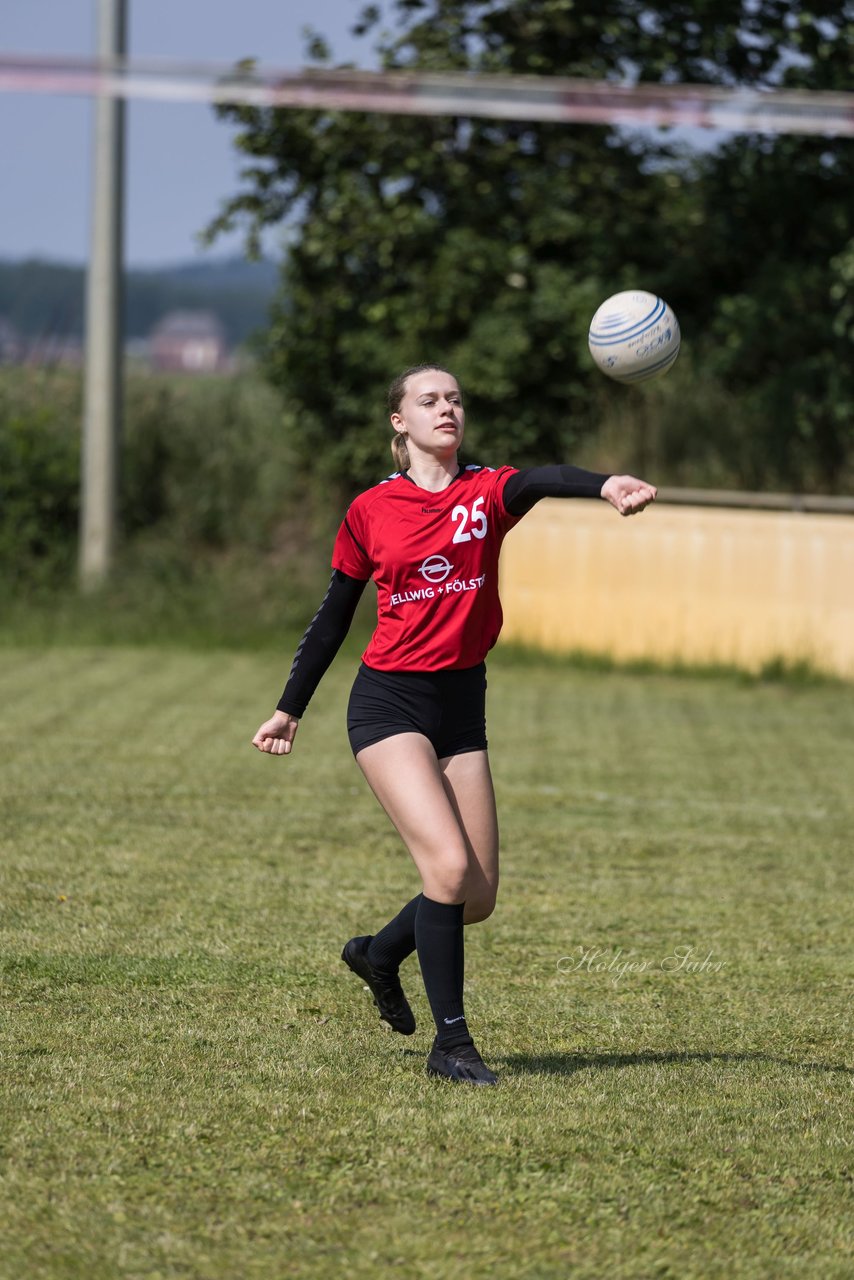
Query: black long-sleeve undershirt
{"type": "Point", "coordinates": [322, 640]}
{"type": "Point", "coordinates": [559, 480]}
{"type": "Point", "coordinates": [327, 629]}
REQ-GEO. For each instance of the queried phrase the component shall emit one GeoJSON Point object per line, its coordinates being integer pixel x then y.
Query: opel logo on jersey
{"type": "Point", "coordinates": [435, 569]}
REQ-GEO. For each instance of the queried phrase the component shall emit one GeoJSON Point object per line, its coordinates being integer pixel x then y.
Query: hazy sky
{"type": "Point", "coordinates": [180, 161]}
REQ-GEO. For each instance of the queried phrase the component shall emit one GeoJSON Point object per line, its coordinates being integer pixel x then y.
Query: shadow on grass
{"type": "Point", "coordinates": [566, 1064]}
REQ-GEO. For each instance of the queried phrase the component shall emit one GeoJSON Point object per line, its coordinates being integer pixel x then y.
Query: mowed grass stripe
{"type": "Point", "coordinates": [194, 1085]}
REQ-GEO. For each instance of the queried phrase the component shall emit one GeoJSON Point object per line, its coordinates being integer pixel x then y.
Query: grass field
{"type": "Point", "coordinates": [194, 1086]}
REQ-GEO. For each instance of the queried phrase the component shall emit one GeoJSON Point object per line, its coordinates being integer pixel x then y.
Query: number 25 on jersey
{"type": "Point", "coordinates": [470, 521]}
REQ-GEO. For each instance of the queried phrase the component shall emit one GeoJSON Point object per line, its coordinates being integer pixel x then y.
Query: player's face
{"type": "Point", "coordinates": [431, 412]}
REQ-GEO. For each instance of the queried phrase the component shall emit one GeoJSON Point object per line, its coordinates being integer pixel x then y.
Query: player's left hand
{"type": "Point", "coordinates": [627, 494]}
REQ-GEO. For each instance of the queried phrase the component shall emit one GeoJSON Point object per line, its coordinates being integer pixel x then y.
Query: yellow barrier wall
{"type": "Point", "coordinates": [689, 584]}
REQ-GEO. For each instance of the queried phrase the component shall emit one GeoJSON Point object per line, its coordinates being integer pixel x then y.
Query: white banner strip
{"type": "Point", "coordinates": [542, 98]}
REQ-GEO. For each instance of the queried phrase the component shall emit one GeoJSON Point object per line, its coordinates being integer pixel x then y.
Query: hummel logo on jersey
{"type": "Point", "coordinates": [431, 511]}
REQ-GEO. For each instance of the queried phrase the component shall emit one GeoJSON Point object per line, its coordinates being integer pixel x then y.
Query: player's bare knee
{"type": "Point", "coordinates": [444, 876]}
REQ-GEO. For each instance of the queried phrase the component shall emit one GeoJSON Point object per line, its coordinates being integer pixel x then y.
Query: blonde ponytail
{"type": "Point", "coordinates": [399, 451]}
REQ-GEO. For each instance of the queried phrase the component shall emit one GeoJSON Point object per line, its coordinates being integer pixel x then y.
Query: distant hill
{"type": "Point", "coordinates": [45, 299]}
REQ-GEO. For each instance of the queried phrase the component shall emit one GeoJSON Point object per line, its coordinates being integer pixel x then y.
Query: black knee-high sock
{"type": "Point", "coordinates": [441, 955]}
{"type": "Point", "coordinates": [396, 940]}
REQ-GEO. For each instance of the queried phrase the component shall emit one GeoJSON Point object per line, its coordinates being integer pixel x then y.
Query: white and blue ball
{"type": "Point", "coordinates": [634, 336]}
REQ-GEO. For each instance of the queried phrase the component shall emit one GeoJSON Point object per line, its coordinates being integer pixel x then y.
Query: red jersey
{"type": "Point", "coordinates": [434, 559]}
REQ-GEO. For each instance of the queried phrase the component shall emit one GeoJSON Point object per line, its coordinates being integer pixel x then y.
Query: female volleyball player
{"type": "Point", "coordinates": [429, 536]}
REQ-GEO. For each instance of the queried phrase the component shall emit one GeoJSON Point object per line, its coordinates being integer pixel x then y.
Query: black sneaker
{"type": "Point", "coordinates": [385, 987]}
{"type": "Point", "coordinates": [462, 1062]}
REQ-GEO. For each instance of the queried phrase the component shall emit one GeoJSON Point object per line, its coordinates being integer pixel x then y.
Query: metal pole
{"type": "Point", "coordinates": [103, 367]}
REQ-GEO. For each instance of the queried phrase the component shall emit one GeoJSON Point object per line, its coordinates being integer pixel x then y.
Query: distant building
{"type": "Point", "coordinates": [188, 342]}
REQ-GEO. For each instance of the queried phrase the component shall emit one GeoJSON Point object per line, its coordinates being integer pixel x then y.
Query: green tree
{"type": "Point", "coordinates": [778, 248]}
{"type": "Point", "coordinates": [488, 245]}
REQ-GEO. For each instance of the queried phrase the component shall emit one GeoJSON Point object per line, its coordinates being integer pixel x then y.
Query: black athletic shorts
{"type": "Point", "coordinates": [448, 707]}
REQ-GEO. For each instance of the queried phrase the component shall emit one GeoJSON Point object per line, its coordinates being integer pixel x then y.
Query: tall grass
{"type": "Point", "coordinates": [206, 464]}
{"type": "Point", "coordinates": [218, 543]}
